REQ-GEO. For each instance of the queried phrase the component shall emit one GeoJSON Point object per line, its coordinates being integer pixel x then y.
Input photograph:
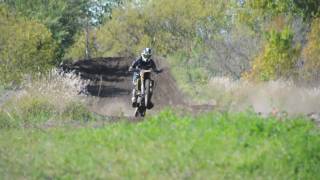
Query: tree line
{"type": "Point", "coordinates": [258, 40]}
{"type": "Point", "coordinates": [36, 34]}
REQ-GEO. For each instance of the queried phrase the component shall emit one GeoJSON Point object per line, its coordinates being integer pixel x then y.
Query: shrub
{"type": "Point", "coordinates": [78, 49]}
{"type": "Point", "coordinates": [77, 111]}
{"type": "Point", "coordinates": [124, 35]}
{"type": "Point", "coordinates": [26, 47]}
{"type": "Point", "coordinates": [165, 25]}
{"type": "Point", "coordinates": [312, 51]}
{"type": "Point", "coordinates": [277, 60]}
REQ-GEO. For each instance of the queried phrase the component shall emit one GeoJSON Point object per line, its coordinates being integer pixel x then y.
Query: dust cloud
{"type": "Point", "coordinates": [268, 97]}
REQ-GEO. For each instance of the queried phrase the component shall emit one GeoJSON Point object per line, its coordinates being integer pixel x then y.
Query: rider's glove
{"type": "Point", "coordinates": [130, 69]}
{"type": "Point", "coordinates": [159, 71]}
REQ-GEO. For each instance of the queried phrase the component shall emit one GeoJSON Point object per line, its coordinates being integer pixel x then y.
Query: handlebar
{"type": "Point", "coordinates": [144, 70]}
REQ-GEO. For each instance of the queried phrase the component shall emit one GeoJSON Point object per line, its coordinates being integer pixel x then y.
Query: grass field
{"type": "Point", "coordinates": [212, 146]}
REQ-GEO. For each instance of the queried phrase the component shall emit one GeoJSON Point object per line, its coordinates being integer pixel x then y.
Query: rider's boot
{"type": "Point", "coordinates": [134, 98]}
{"type": "Point", "coordinates": [150, 105]}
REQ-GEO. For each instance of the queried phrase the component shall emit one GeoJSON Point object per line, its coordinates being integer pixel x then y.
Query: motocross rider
{"type": "Point", "coordinates": [143, 62]}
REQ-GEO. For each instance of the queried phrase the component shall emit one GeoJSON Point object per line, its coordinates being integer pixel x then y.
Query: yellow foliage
{"type": "Point", "coordinates": [311, 52]}
{"type": "Point", "coordinates": [164, 25]}
{"type": "Point", "coordinates": [78, 49]}
{"type": "Point", "coordinates": [277, 60]}
{"type": "Point", "coordinates": [26, 47]}
{"type": "Point", "coordinates": [123, 34]}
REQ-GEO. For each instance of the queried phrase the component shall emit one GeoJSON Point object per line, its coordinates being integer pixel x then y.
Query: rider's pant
{"type": "Point", "coordinates": [135, 78]}
{"type": "Point", "coordinates": [134, 82]}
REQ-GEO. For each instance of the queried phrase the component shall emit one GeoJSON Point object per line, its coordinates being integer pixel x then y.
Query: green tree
{"type": "Point", "coordinates": [305, 8]}
{"type": "Point", "coordinates": [309, 9]}
{"type": "Point", "coordinates": [64, 18]}
{"type": "Point", "coordinates": [278, 58]}
{"type": "Point", "coordinates": [26, 47]}
{"type": "Point", "coordinates": [165, 25]}
{"type": "Point", "coordinates": [61, 17]}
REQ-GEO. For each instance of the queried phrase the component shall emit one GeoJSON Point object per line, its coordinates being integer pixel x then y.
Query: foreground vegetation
{"type": "Point", "coordinates": [218, 146]}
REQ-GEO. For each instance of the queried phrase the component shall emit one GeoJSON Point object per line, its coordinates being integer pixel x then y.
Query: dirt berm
{"type": "Point", "coordinates": [110, 85]}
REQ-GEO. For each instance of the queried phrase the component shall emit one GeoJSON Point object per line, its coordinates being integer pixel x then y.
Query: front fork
{"type": "Point", "coordinates": [142, 84]}
{"type": "Point", "coordinates": [142, 87]}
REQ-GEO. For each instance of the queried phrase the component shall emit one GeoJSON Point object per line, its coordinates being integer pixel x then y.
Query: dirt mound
{"type": "Point", "coordinates": [111, 83]}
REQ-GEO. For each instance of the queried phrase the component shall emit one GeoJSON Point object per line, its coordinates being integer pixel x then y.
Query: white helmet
{"type": "Point", "coordinates": [146, 54]}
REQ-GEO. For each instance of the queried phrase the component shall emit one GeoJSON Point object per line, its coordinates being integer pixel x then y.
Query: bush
{"type": "Point", "coordinates": [278, 58]}
{"type": "Point", "coordinates": [125, 34]}
{"type": "Point", "coordinates": [311, 52]}
{"type": "Point", "coordinates": [77, 111]}
{"type": "Point", "coordinates": [26, 47]}
{"type": "Point", "coordinates": [164, 25]}
{"type": "Point", "coordinates": [78, 49]}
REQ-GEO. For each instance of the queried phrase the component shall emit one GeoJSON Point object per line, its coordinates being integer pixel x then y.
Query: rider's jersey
{"type": "Point", "coordinates": [140, 64]}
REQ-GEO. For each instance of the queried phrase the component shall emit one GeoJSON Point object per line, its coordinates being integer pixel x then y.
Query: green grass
{"type": "Point", "coordinates": [212, 146]}
{"type": "Point", "coordinates": [30, 111]}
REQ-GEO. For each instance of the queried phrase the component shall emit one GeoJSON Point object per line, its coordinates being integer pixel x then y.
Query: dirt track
{"type": "Point", "coordinates": [111, 83]}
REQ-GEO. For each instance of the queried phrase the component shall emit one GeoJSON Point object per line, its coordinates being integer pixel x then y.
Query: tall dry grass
{"type": "Point", "coordinates": [59, 87]}
{"type": "Point", "coordinates": [55, 96]}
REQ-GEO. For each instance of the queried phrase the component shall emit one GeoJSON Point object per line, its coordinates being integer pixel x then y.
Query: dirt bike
{"type": "Point", "coordinates": [144, 89]}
